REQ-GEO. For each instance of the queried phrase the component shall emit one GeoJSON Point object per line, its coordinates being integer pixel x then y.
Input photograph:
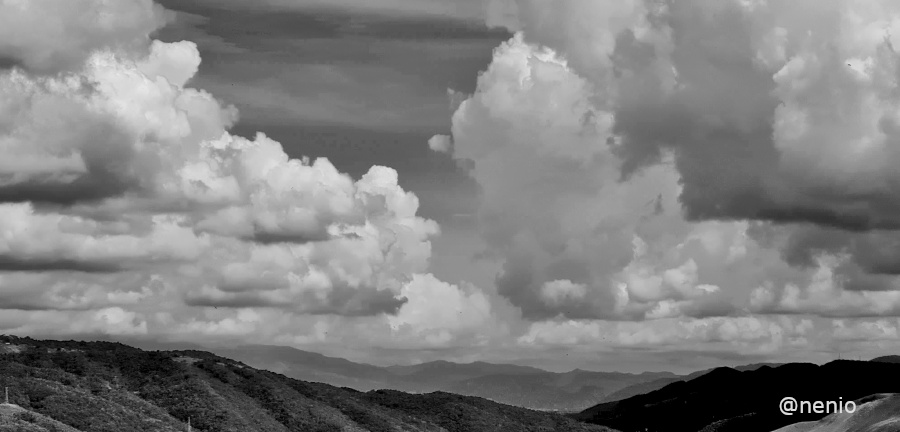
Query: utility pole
{"type": "Point", "coordinates": [6, 390]}
{"type": "Point", "coordinates": [189, 424]}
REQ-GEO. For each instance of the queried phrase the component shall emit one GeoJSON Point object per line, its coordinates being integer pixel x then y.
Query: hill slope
{"type": "Point", "coordinates": [14, 418]}
{"type": "Point", "coordinates": [877, 413]}
{"type": "Point", "coordinates": [726, 399]}
{"type": "Point", "coordinates": [110, 387]}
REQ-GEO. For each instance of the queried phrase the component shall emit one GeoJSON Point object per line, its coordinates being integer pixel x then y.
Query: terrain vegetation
{"type": "Point", "coordinates": [730, 400]}
{"type": "Point", "coordinates": [71, 386]}
{"type": "Point", "coordinates": [68, 386]}
{"type": "Point", "coordinates": [876, 413]}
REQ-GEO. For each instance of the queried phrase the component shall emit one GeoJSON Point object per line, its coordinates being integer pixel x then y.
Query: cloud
{"type": "Point", "coordinates": [785, 117]}
{"type": "Point", "coordinates": [673, 177]}
{"type": "Point", "coordinates": [645, 158]}
{"type": "Point", "coordinates": [36, 241]}
{"type": "Point", "coordinates": [128, 208]}
{"type": "Point", "coordinates": [743, 334]}
{"type": "Point", "coordinates": [825, 296]}
{"type": "Point", "coordinates": [866, 330]}
{"type": "Point", "coordinates": [572, 237]}
{"type": "Point", "coordinates": [470, 10]}
{"type": "Point", "coordinates": [54, 35]}
{"type": "Point", "coordinates": [441, 313]}
{"type": "Point", "coordinates": [441, 143]}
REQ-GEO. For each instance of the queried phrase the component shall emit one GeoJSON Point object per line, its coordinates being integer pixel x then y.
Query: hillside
{"type": "Point", "coordinates": [727, 400]}
{"type": "Point", "coordinates": [110, 387]}
{"type": "Point", "coordinates": [649, 386]}
{"type": "Point", "coordinates": [876, 413]}
{"type": "Point", "coordinates": [887, 359]}
{"type": "Point", "coordinates": [509, 384]}
{"type": "Point", "coordinates": [14, 418]}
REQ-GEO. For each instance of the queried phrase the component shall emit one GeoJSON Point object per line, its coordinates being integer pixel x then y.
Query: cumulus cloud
{"type": "Point", "coordinates": [37, 241]}
{"type": "Point", "coordinates": [53, 35]}
{"type": "Point", "coordinates": [573, 238]}
{"type": "Point", "coordinates": [439, 313]}
{"type": "Point", "coordinates": [693, 158]}
{"type": "Point", "coordinates": [441, 143]}
{"type": "Point", "coordinates": [785, 117]}
{"type": "Point", "coordinates": [825, 296]}
{"type": "Point", "coordinates": [695, 174]}
{"type": "Point", "coordinates": [128, 208]}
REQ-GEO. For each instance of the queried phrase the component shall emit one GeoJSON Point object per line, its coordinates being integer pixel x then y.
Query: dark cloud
{"type": "Point", "coordinates": [344, 301]}
{"type": "Point", "coordinates": [15, 263]}
{"type": "Point", "coordinates": [278, 238]}
{"type": "Point", "coordinates": [522, 281]}
{"type": "Point", "coordinates": [330, 60]}
{"type": "Point", "coordinates": [88, 188]}
{"type": "Point", "coordinates": [63, 129]}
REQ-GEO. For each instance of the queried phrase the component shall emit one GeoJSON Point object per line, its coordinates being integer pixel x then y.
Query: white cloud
{"type": "Point", "coordinates": [824, 295]}
{"type": "Point", "coordinates": [127, 207]}
{"type": "Point", "coordinates": [645, 128]}
{"type": "Point", "coordinates": [441, 143]}
{"type": "Point", "coordinates": [50, 35]}
{"type": "Point", "coordinates": [651, 174]}
{"type": "Point", "coordinates": [439, 313]}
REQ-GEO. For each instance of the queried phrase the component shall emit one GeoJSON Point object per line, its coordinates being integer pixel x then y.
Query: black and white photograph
{"type": "Point", "coordinates": [450, 215]}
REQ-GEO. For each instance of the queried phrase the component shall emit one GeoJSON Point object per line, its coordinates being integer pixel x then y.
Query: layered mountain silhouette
{"type": "Point", "coordinates": [730, 400]}
{"type": "Point", "coordinates": [516, 385]}
{"type": "Point", "coordinates": [67, 386]}
{"type": "Point", "coordinates": [509, 384]}
{"type": "Point", "coordinates": [105, 387]}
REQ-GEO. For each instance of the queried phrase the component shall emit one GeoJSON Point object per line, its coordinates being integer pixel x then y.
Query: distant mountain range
{"type": "Point", "coordinates": [509, 384]}
{"type": "Point", "coordinates": [109, 387]}
{"type": "Point", "coordinates": [516, 385]}
{"type": "Point", "coordinates": [104, 387]}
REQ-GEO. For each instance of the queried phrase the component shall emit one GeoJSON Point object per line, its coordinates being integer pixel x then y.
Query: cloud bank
{"type": "Point", "coordinates": [127, 208]}
{"type": "Point", "coordinates": [656, 176]}
{"type": "Point", "coordinates": [707, 162]}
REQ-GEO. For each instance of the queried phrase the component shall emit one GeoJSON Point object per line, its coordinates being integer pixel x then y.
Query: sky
{"type": "Point", "coordinates": [618, 185]}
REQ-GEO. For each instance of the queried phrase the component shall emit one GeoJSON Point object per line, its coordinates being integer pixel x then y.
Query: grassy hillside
{"type": "Point", "coordinates": [110, 387]}
{"type": "Point", "coordinates": [14, 418]}
{"type": "Point", "coordinates": [728, 400]}
{"type": "Point", "coordinates": [876, 413]}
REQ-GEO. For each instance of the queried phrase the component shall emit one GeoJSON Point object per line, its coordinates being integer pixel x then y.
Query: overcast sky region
{"type": "Point", "coordinates": [619, 185]}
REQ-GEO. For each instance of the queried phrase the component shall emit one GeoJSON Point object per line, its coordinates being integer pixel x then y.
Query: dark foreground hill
{"type": "Point", "coordinates": [876, 413]}
{"type": "Point", "coordinates": [102, 386]}
{"type": "Point", "coordinates": [728, 400]}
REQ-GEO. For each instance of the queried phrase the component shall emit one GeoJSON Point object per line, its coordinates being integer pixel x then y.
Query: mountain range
{"type": "Point", "coordinates": [510, 384]}
{"type": "Point", "coordinates": [504, 383]}
{"type": "Point", "coordinates": [68, 386]}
